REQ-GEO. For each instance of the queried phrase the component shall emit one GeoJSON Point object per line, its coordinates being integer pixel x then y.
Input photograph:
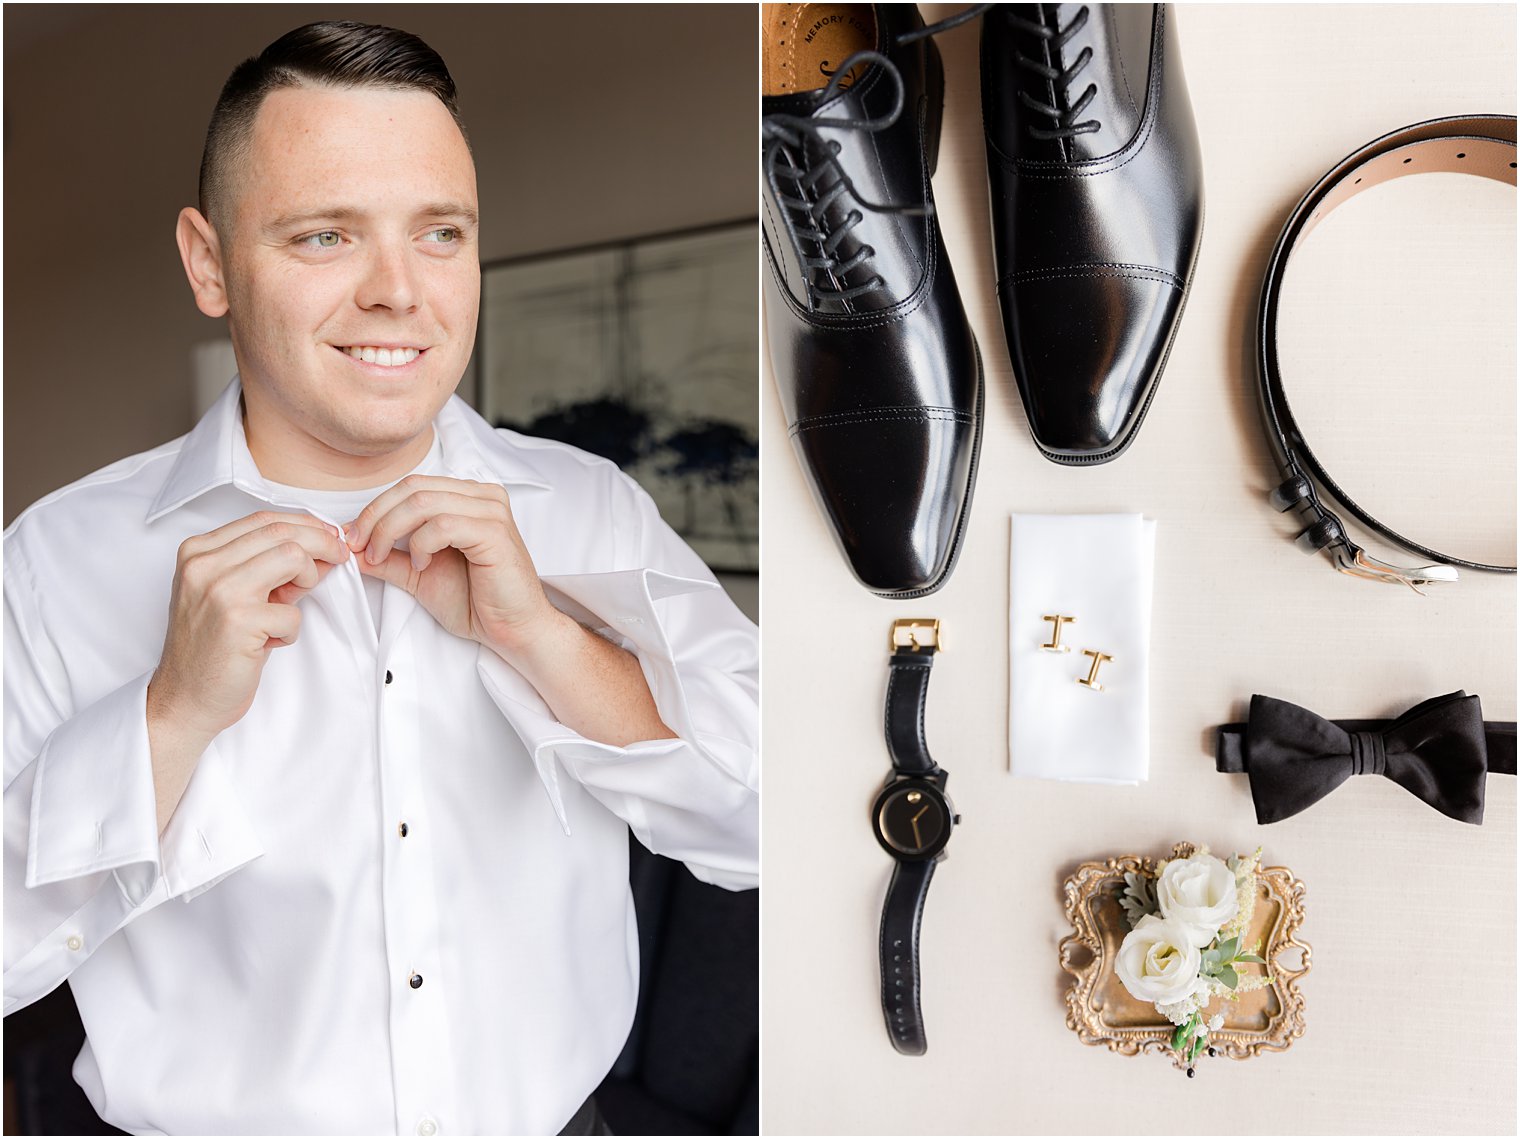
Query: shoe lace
{"type": "Point", "coordinates": [785, 154]}
{"type": "Point", "coordinates": [1066, 122]}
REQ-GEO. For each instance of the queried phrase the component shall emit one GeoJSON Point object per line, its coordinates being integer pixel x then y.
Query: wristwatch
{"type": "Point", "coordinates": [912, 817]}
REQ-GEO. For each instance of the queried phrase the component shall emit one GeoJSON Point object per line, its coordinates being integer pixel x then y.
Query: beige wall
{"type": "Point", "coordinates": [589, 123]}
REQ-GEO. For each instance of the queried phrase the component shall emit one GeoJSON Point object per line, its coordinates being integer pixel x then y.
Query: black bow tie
{"type": "Point", "coordinates": [1440, 751]}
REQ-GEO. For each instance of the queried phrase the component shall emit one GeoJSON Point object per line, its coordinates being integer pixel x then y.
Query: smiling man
{"type": "Point", "coordinates": [326, 723]}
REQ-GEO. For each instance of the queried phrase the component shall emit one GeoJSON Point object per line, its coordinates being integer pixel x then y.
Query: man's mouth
{"type": "Point", "coordinates": [385, 357]}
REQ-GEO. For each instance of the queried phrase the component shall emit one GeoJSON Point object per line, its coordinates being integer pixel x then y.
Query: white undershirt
{"type": "Point", "coordinates": [345, 505]}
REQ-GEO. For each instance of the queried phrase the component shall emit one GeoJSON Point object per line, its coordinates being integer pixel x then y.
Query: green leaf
{"type": "Point", "coordinates": [1251, 957]}
{"type": "Point", "coordinates": [1136, 897]}
{"type": "Point", "coordinates": [1180, 1034]}
{"type": "Point", "coordinates": [1229, 977]}
{"type": "Point", "coordinates": [1227, 949]}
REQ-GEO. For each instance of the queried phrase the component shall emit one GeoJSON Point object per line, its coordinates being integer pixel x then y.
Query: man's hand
{"type": "Point", "coordinates": [467, 564]}
{"type": "Point", "coordinates": [468, 567]}
{"type": "Point", "coordinates": [233, 602]}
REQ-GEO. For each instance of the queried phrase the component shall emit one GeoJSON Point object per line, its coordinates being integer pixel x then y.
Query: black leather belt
{"type": "Point", "coordinates": [1483, 145]}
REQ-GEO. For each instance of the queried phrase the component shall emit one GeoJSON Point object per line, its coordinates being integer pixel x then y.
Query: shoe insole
{"type": "Point", "coordinates": [804, 44]}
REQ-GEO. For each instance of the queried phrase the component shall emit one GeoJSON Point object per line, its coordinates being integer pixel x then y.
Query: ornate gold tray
{"type": "Point", "coordinates": [1099, 1009]}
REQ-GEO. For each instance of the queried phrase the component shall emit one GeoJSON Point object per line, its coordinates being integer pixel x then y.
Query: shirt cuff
{"type": "Point", "coordinates": [620, 607]}
{"type": "Point", "coordinates": [94, 808]}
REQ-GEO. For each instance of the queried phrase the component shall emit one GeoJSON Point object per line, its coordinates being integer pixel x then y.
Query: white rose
{"type": "Point", "coordinates": [1158, 961]}
{"type": "Point", "coordinates": [1199, 892]}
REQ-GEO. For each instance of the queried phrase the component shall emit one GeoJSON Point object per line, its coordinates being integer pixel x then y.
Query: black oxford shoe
{"type": "Point", "coordinates": [1097, 211]}
{"type": "Point", "coordinates": [876, 364]}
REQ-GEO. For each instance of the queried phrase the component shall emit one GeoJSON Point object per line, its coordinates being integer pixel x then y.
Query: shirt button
{"type": "Point", "coordinates": [76, 942]}
{"type": "Point", "coordinates": [415, 981]}
{"type": "Point", "coordinates": [388, 679]}
{"type": "Point", "coordinates": [427, 1127]}
{"type": "Point", "coordinates": [403, 830]}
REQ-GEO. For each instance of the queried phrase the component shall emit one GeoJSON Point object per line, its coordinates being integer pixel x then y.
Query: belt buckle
{"type": "Point", "coordinates": [920, 634]}
{"type": "Point", "coordinates": [1362, 564]}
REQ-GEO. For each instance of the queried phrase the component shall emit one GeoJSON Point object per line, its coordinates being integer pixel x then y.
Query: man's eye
{"type": "Point", "coordinates": [327, 239]}
{"type": "Point", "coordinates": [446, 235]}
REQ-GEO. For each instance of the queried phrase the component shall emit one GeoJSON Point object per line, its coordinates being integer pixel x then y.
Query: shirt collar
{"type": "Point", "coordinates": [215, 453]}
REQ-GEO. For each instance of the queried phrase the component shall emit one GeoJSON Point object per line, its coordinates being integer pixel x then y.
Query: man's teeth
{"type": "Point", "coordinates": [385, 357]}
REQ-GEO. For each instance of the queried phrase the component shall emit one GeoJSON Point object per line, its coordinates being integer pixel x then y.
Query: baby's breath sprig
{"type": "Point", "coordinates": [1244, 870]}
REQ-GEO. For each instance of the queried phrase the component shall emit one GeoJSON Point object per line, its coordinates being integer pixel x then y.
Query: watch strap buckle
{"type": "Point", "coordinates": [917, 634]}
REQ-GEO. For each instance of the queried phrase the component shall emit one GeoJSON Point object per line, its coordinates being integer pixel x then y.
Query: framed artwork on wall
{"type": "Point", "coordinates": [645, 352]}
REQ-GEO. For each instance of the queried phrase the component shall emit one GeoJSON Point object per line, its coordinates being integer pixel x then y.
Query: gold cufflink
{"type": "Point", "coordinates": [1091, 679]}
{"type": "Point", "coordinates": [1057, 620]}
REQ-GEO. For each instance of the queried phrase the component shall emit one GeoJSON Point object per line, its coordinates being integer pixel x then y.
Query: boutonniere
{"type": "Point", "coordinates": [1184, 949]}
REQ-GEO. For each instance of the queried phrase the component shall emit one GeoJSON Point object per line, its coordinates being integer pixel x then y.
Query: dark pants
{"type": "Point", "coordinates": [587, 1121]}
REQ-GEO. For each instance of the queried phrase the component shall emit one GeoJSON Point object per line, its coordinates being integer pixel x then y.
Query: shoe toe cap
{"type": "Point", "coordinates": [894, 485]}
{"type": "Point", "coordinates": [1087, 348]}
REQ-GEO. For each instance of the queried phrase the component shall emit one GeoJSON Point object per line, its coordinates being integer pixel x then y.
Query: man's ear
{"type": "Point", "coordinates": [200, 249]}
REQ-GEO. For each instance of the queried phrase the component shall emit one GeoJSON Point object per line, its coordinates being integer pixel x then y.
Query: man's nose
{"type": "Point", "coordinates": [390, 279]}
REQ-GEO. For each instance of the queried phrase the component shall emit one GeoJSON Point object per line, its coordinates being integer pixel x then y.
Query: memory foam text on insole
{"type": "Point", "coordinates": [804, 44]}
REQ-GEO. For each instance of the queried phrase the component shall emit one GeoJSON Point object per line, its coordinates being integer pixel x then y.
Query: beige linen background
{"type": "Point", "coordinates": [1402, 338]}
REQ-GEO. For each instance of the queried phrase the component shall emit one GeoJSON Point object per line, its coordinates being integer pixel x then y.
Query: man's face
{"type": "Point", "coordinates": [353, 239]}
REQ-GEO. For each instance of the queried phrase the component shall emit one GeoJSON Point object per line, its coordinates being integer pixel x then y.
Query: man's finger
{"type": "Point", "coordinates": [290, 592]}
{"type": "Point", "coordinates": [320, 544]}
{"type": "Point", "coordinates": [363, 526]}
{"type": "Point", "coordinates": [397, 569]}
{"type": "Point", "coordinates": [222, 535]}
{"type": "Point", "coordinates": [423, 506]}
{"type": "Point", "coordinates": [284, 564]}
{"type": "Point", "coordinates": [280, 624]}
{"type": "Point", "coordinates": [476, 538]}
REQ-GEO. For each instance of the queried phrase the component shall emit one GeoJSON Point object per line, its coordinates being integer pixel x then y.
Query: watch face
{"type": "Point", "coordinates": [912, 819]}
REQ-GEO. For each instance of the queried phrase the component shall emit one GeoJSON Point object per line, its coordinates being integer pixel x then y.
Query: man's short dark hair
{"type": "Point", "coordinates": [333, 53]}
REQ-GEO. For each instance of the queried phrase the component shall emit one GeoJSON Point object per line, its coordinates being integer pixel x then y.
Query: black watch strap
{"type": "Point", "coordinates": [907, 691]}
{"type": "Point", "coordinates": [914, 643]}
{"type": "Point", "coordinates": [901, 917]}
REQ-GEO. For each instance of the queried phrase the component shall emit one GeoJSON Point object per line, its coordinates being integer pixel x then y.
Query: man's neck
{"type": "Point", "coordinates": [309, 463]}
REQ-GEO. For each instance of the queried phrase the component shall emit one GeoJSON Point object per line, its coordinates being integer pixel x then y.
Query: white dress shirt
{"type": "Point", "coordinates": [394, 898]}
